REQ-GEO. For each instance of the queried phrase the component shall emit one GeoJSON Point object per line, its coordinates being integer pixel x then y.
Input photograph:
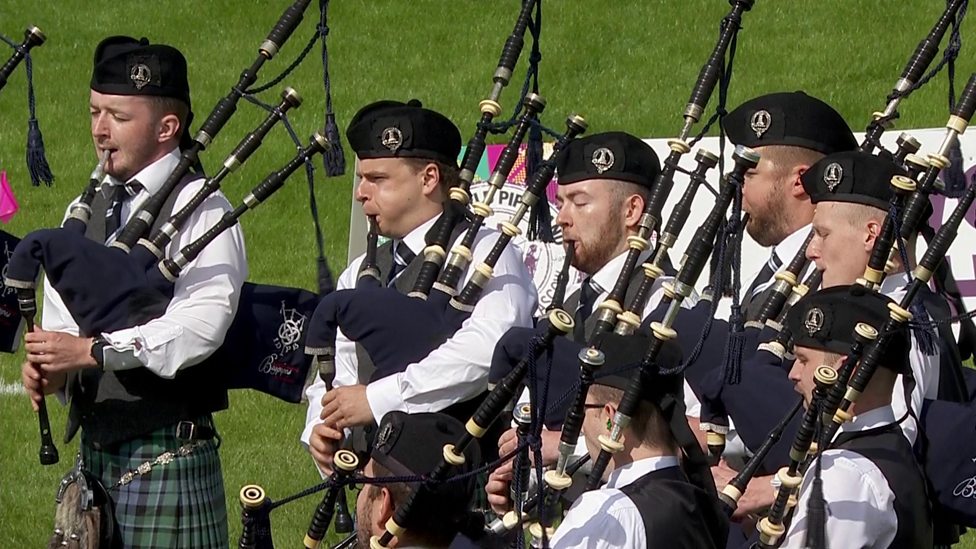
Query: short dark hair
{"type": "Point", "coordinates": [170, 105]}
{"type": "Point", "coordinates": [647, 422]}
{"type": "Point", "coordinates": [450, 174]}
{"type": "Point", "coordinates": [786, 157]}
{"type": "Point", "coordinates": [620, 190]}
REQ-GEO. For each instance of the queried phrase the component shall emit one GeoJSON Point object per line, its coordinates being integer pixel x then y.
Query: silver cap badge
{"type": "Point", "coordinates": [384, 435]}
{"type": "Point", "coordinates": [392, 138]}
{"type": "Point", "coordinates": [602, 159]}
{"type": "Point", "coordinates": [813, 321]}
{"type": "Point", "coordinates": [833, 173]}
{"type": "Point", "coordinates": [140, 75]}
{"type": "Point", "coordinates": [760, 122]}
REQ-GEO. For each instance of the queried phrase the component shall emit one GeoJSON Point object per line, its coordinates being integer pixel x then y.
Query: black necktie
{"type": "Point", "coordinates": [118, 195]}
{"type": "Point", "coordinates": [588, 293]}
{"type": "Point", "coordinates": [402, 256]}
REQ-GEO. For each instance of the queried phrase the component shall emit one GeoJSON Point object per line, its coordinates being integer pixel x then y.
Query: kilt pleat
{"type": "Point", "coordinates": [176, 505]}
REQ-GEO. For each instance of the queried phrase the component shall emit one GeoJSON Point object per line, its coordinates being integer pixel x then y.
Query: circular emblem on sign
{"type": "Point", "coordinates": [813, 321]}
{"type": "Point", "coordinates": [602, 159]}
{"type": "Point", "coordinates": [832, 176]}
{"type": "Point", "coordinates": [760, 122]}
{"type": "Point", "coordinates": [140, 75]}
{"type": "Point", "coordinates": [392, 138]}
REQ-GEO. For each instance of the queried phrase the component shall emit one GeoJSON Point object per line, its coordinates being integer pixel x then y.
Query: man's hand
{"type": "Point", "coordinates": [500, 479]}
{"type": "Point", "coordinates": [550, 445]}
{"type": "Point", "coordinates": [323, 444]}
{"type": "Point", "coordinates": [37, 383]}
{"type": "Point", "coordinates": [757, 496]}
{"type": "Point", "coordinates": [58, 352]}
{"type": "Point", "coordinates": [345, 407]}
{"type": "Point", "coordinates": [497, 488]}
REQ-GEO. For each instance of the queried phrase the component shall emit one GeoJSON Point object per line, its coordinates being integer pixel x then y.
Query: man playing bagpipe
{"type": "Point", "coordinates": [604, 181]}
{"type": "Point", "coordinates": [407, 164]}
{"type": "Point", "coordinates": [412, 445]}
{"type": "Point", "coordinates": [148, 390]}
{"type": "Point", "coordinates": [873, 488]}
{"type": "Point", "coordinates": [655, 492]}
{"type": "Point", "coordinates": [852, 204]}
{"type": "Point", "coordinates": [791, 131]}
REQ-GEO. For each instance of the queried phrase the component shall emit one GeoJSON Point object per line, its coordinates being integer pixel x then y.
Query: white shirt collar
{"type": "Point", "coordinates": [416, 239]}
{"type": "Point", "coordinates": [627, 474]}
{"type": "Point", "coordinates": [871, 419]}
{"type": "Point", "coordinates": [607, 276]}
{"type": "Point", "coordinates": [154, 175]}
{"type": "Point", "coordinates": [790, 246]}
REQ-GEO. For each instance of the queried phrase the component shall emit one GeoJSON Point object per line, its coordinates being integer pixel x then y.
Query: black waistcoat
{"type": "Point", "coordinates": [115, 406]}
{"type": "Point", "coordinates": [572, 302]}
{"type": "Point", "coordinates": [891, 453]}
{"type": "Point", "coordinates": [676, 513]}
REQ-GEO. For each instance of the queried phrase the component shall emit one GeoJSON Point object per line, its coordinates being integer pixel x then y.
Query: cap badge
{"type": "Point", "coordinates": [140, 75]}
{"type": "Point", "coordinates": [814, 321]}
{"type": "Point", "coordinates": [602, 159]}
{"type": "Point", "coordinates": [760, 122]}
{"type": "Point", "coordinates": [392, 138]}
{"type": "Point", "coordinates": [384, 435]}
{"type": "Point", "coordinates": [832, 176]}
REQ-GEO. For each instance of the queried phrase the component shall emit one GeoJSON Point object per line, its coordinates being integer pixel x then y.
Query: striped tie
{"type": "Point", "coordinates": [402, 256]}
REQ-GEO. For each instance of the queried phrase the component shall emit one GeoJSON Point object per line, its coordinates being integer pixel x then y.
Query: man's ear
{"type": "Point", "coordinates": [873, 230]}
{"type": "Point", "coordinates": [431, 177]}
{"type": "Point", "coordinates": [796, 183]}
{"type": "Point", "coordinates": [633, 210]}
{"type": "Point", "coordinates": [386, 508]}
{"type": "Point", "coordinates": [169, 128]}
{"type": "Point", "coordinates": [609, 411]}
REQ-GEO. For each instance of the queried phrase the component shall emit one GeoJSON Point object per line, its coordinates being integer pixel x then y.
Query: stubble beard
{"type": "Point", "coordinates": [770, 226]}
{"type": "Point", "coordinates": [598, 253]}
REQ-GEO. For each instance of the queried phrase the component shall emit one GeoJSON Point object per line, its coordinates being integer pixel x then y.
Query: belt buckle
{"type": "Point", "coordinates": [186, 430]}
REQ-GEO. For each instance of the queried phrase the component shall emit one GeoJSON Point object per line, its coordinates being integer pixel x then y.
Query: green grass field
{"type": "Point", "coordinates": [623, 64]}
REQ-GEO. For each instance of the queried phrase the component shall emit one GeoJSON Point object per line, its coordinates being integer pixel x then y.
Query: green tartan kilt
{"type": "Point", "coordinates": [178, 504]}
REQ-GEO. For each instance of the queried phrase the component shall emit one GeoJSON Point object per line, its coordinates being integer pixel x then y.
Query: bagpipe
{"type": "Point", "coordinates": [609, 336]}
{"type": "Point", "coordinates": [142, 280]}
{"type": "Point", "coordinates": [430, 321]}
{"type": "Point", "coordinates": [435, 307]}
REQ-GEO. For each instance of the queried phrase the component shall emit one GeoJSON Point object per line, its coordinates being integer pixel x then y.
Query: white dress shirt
{"type": "Point", "coordinates": [607, 518]}
{"type": "Point", "coordinates": [859, 499]}
{"type": "Point", "coordinates": [785, 251]}
{"type": "Point", "coordinates": [458, 369]}
{"type": "Point", "coordinates": [925, 368]}
{"type": "Point", "coordinates": [205, 295]}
